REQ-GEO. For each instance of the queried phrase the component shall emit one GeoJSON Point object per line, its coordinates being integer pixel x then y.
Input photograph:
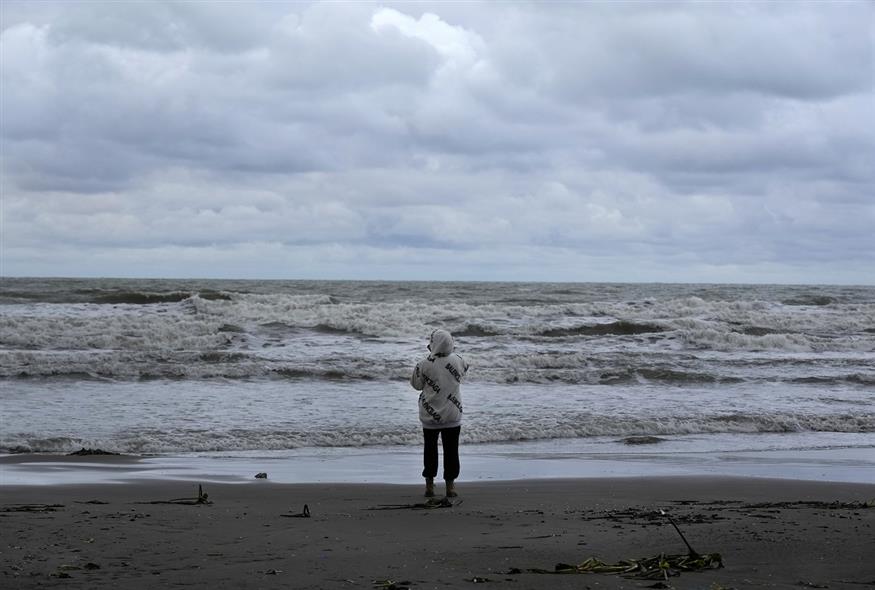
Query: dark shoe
{"type": "Point", "coordinates": [429, 487]}
{"type": "Point", "coordinates": [451, 490]}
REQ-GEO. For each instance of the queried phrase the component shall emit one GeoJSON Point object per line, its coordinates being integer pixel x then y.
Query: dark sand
{"type": "Point", "coordinates": [770, 533]}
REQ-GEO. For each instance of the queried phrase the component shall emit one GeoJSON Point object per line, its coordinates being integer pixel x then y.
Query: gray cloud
{"type": "Point", "coordinates": [597, 141]}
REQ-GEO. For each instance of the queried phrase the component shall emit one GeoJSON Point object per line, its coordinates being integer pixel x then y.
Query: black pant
{"type": "Point", "coordinates": [450, 443]}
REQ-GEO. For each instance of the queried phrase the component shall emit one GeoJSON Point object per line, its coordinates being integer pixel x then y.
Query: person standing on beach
{"type": "Point", "coordinates": [438, 377]}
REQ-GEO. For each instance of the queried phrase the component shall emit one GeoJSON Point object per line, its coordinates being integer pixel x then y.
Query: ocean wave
{"type": "Point", "coordinates": [110, 297]}
{"type": "Point", "coordinates": [158, 441]}
{"type": "Point", "coordinates": [203, 334]}
{"type": "Point", "coordinates": [132, 332]}
{"type": "Point", "coordinates": [721, 340]}
{"type": "Point", "coordinates": [497, 367]}
{"type": "Point", "coordinates": [853, 378]}
{"type": "Point", "coordinates": [328, 374]}
{"type": "Point", "coordinates": [608, 376]}
{"type": "Point", "coordinates": [145, 298]}
{"type": "Point", "coordinates": [475, 331]}
{"type": "Point", "coordinates": [11, 296]}
{"type": "Point", "coordinates": [736, 325]}
{"type": "Point", "coordinates": [674, 376]}
{"type": "Point", "coordinates": [755, 331]}
{"type": "Point", "coordinates": [812, 299]}
{"type": "Point", "coordinates": [618, 328]}
{"type": "Point", "coordinates": [327, 329]}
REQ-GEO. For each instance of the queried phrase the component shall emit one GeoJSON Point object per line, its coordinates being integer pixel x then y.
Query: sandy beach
{"type": "Point", "coordinates": [149, 534]}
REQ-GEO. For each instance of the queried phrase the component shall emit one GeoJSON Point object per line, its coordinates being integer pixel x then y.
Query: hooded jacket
{"type": "Point", "coordinates": [438, 377]}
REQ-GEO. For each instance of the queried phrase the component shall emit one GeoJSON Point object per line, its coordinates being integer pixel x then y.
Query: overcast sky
{"type": "Point", "coordinates": [689, 142]}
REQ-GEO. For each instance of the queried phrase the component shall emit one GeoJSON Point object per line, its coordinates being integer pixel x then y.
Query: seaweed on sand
{"type": "Point", "coordinates": [661, 566]}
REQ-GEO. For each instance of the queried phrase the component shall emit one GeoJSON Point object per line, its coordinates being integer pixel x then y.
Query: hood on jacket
{"type": "Point", "coordinates": [441, 343]}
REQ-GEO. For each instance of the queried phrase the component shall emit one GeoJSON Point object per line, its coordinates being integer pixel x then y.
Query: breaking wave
{"type": "Point", "coordinates": [619, 328]}
{"type": "Point", "coordinates": [157, 441]}
{"type": "Point", "coordinates": [140, 298]}
{"type": "Point", "coordinates": [475, 331]}
{"type": "Point", "coordinates": [816, 300]}
{"type": "Point", "coordinates": [496, 365]}
{"type": "Point", "coordinates": [854, 378]}
{"type": "Point", "coordinates": [542, 336]}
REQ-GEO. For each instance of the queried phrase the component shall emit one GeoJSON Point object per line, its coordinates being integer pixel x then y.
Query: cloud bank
{"type": "Point", "coordinates": [703, 142]}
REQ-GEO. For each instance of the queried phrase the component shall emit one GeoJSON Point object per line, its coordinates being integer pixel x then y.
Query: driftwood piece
{"type": "Point", "coordinates": [305, 513]}
{"type": "Point", "coordinates": [693, 552]}
{"type": "Point", "coordinates": [429, 505]}
{"type": "Point", "coordinates": [202, 499]}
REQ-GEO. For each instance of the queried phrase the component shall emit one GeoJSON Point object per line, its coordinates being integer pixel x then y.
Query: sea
{"type": "Point", "coordinates": [309, 380]}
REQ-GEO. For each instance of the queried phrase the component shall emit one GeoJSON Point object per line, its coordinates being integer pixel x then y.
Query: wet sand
{"type": "Point", "coordinates": [770, 534]}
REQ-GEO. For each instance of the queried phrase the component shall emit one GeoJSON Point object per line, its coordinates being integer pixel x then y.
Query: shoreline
{"type": "Point", "coordinates": [402, 465]}
{"type": "Point", "coordinates": [774, 533]}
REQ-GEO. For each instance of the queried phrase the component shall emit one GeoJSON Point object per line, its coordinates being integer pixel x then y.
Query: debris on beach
{"type": "Point", "coordinates": [87, 452]}
{"type": "Point", "coordinates": [835, 505]}
{"type": "Point", "coordinates": [391, 585]}
{"type": "Point", "coordinates": [261, 475]}
{"type": "Point", "coordinates": [430, 504]}
{"type": "Point", "coordinates": [201, 499]}
{"type": "Point", "coordinates": [659, 567]}
{"type": "Point", "coordinates": [305, 513]}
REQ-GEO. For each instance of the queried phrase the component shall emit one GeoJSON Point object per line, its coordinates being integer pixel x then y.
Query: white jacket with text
{"type": "Point", "coordinates": [438, 377]}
